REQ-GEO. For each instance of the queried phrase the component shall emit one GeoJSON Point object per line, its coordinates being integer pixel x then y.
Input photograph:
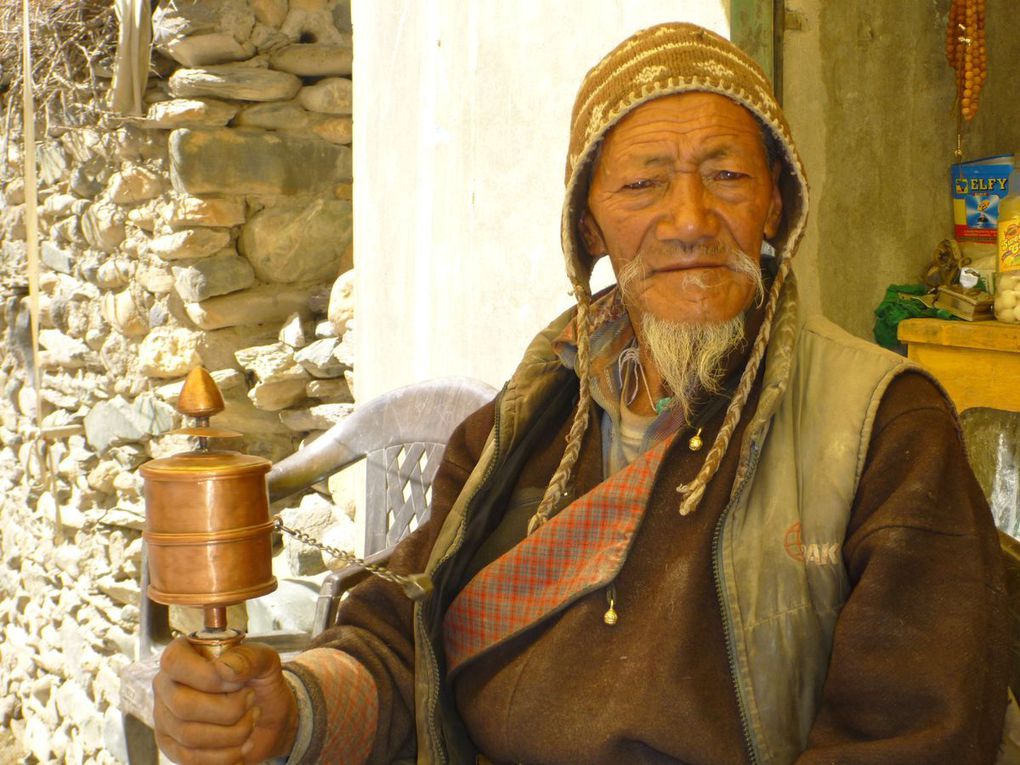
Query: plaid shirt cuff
{"type": "Point", "coordinates": [338, 707]}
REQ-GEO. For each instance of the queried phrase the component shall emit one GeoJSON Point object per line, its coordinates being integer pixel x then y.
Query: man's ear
{"type": "Point", "coordinates": [775, 214]}
{"type": "Point", "coordinates": [591, 235]}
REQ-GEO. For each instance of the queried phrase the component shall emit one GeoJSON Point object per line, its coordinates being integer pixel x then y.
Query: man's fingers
{"type": "Point", "coordinates": [202, 734]}
{"type": "Point", "coordinates": [187, 704]}
{"type": "Point", "coordinates": [182, 664]}
{"type": "Point", "coordinates": [185, 756]}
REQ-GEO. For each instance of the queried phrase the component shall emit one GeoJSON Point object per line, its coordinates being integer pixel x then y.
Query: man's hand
{"type": "Point", "coordinates": [237, 708]}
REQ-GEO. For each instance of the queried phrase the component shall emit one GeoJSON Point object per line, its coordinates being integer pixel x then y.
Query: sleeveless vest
{"type": "Point", "coordinates": [778, 555]}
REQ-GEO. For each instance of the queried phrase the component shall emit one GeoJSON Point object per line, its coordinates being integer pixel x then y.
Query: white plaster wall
{"type": "Point", "coordinates": [462, 112]}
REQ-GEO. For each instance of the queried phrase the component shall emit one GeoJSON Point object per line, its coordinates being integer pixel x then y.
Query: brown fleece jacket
{"type": "Point", "coordinates": [919, 664]}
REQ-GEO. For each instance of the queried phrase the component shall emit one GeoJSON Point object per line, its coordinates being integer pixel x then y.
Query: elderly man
{"type": "Point", "coordinates": [741, 538]}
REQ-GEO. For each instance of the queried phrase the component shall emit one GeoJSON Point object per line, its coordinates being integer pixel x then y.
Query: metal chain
{"type": "Point", "coordinates": [415, 586]}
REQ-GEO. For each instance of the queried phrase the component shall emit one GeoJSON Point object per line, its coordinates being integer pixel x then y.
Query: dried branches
{"type": "Point", "coordinates": [72, 42]}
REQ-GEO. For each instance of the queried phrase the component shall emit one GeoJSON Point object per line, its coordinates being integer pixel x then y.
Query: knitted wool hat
{"type": "Point", "coordinates": [659, 61]}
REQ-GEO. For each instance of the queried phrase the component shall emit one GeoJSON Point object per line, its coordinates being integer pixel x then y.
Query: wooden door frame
{"type": "Point", "coordinates": [757, 27]}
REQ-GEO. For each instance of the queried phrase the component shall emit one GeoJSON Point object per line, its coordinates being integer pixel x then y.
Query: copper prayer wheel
{"type": "Point", "coordinates": [207, 524]}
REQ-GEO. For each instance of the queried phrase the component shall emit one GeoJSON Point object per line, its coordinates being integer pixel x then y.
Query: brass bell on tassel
{"type": "Point", "coordinates": [207, 524]}
{"type": "Point", "coordinates": [610, 617]}
{"type": "Point", "coordinates": [695, 443]}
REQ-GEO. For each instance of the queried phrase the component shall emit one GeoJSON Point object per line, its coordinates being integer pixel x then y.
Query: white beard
{"type": "Point", "coordinates": [689, 356]}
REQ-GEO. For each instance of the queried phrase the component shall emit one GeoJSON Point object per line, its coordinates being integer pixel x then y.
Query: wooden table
{"type": "Point", "coordinates": [977, 362]}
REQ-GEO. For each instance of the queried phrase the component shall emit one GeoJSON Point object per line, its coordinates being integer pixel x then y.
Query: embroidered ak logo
{"type": "Point", "coordinates": [825, 554]}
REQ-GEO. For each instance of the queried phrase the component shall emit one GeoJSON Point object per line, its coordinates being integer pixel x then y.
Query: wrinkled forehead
{"type": "Point", "coordinates": [687, 118]}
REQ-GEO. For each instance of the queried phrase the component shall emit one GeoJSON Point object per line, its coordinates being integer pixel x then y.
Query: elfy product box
{"type": "Point", "coordinates": [977, 188]}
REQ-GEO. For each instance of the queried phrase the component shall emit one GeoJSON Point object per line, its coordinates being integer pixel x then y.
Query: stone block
{"type": "Point", "coordinates": [183, 210]}
{"type": "Point", "coordinates": [124, 591]}
{"type": "Point", "coordinates": [56, 259]}
{"type": "Point", "coordinates": [333, 391]}
{"type": "Point", "coordinates": [190, 113]}
{"type": "Point", "coordinates": [295, 332]}
{"type": "Point", "coordinates": [239, 82]}
{"type": "Point", "coordinates": [313, 60]}
{"type": "Point", "coordinates": [208, 49]}
{"type": "Point", "coordinates": [83, 183]}
{"type": "Point", "coordinates": [341, 302]}
{"type": "Point", "coordinates": [100, 478]}
{"type": "Point", "coordinates": [222, 274]}
{"type": "Point", "coordinates": [143, 217]}
{"type": "Point", "coordinates": [179, 20]}
{"type": "Point", "coordinates": [318, 360]}
{"type": "Point", "coordinates": [189, 244]}
{"type": "Point", "coordinates": [279, 394]}
{"type": "Point", "coordinates": [333, 95]}
{"type": "Point", "coordinates": [346, 350]}
{"type": "Point", "coordinates": [247, 162]}
{"type": "Point", "coordinates": [270, 363]}
{"type": "Point", "coordinates": [64, 352]}
{"type": "Point", "coordinates": [103, 226]}
{"type": "Point", "coordinates": [52, 161]}
{"type": "Point", "coordinates": [168, 352]}
{"type": "Point", "coordinates": [125, 312]}
{"type": "Point", "coordinates": [318, 417]}
{"type": "Point", "coordinates": [134, 184]}
{"type": "Point", "coordinates": [58, 205]}
{"type": "Point", "coordinates": [275, 115]}
{"type": "Point", "coordinates": [134, 143]}
{"type": "Point", "coordinates": [260, 305]}
{"type": "Point", "coordinates": [296, 241]}
{"type": "Point", "coordinates": [119, 421]}
{"type": "Point", "coordinates": [342, 535]}
{"type": "Point", "coordinates": [325, 329]}
{"type": "Point", "coordinates": [14, 192]}
{"type": "Point", "coordinates": [155, 280]}
{"type": "Point", "coordinates": [313, 516]}
{"type": "Point", "coordinates": [338, 130]}
{"type": "Point", "coordinates": [266, 39]}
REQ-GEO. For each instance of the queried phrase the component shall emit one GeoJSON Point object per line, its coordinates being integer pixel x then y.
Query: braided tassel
{"type": "Point", "coordinates": [558, 484]}
{"type": "Point", "coordinates": [693, 492]}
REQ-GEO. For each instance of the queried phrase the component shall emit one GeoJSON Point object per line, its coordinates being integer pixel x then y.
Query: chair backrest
{"type": "Point", "coordinates": [992, 437]}
{"type": "Point", "coordinates": [1011, 558]}
{"type": "Point", "coordinates": [401, 435]}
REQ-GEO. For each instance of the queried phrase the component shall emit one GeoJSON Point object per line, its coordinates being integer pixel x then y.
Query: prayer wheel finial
{"type": "Point", "coordinates": [200, 397]}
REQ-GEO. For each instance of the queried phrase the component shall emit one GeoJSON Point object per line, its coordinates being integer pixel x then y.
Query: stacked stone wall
{"type": "Point", "coordinates": [213, 230]}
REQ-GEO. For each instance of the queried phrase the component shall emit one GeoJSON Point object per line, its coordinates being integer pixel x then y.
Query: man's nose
{"type": "Point", "coordinates": [688, 214]}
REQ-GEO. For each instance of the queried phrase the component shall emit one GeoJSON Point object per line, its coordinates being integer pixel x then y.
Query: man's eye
{"type": "Point", "coordinates": [729, 175]}
{"type": "Point", "coordinates": [644, 183]}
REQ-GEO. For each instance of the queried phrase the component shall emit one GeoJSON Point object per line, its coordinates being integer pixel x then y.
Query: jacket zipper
{"type": "Point", "coordinates": [433, 664]}
{"type": "Point", "coordinates": [721, 595]}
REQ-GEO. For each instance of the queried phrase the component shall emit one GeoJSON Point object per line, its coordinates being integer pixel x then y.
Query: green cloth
{"type": "Point", "coordinates": [902, 301]}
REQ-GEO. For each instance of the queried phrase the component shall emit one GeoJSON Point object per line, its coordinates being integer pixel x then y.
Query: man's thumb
{"type": "Point", "coordinates": [246, 662]}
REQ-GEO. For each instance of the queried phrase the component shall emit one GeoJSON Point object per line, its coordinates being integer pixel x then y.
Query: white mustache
{"type": "Point", "coordinates": [734, 258]}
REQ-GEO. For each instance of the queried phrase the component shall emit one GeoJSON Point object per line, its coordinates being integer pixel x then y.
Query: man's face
{"type": "Point", "coordinates": [681, 185]}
